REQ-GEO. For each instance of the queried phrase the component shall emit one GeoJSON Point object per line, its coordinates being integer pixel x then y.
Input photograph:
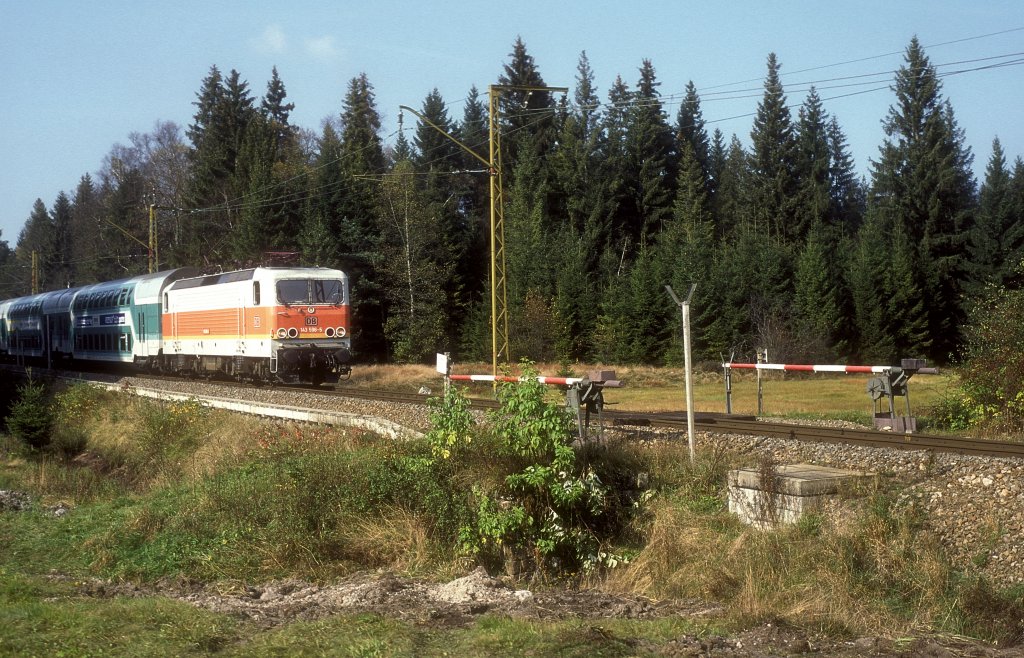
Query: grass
{"type": "Point", "coordinates": [210, 496]}
{"type": "Point", "coordinates": [46, 618]}
{"type": "Point", "coordinates": [797, 395]}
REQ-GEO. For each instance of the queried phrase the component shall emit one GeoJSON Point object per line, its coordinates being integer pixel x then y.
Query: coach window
{"type": "Point", "coordinates": [255, 293]}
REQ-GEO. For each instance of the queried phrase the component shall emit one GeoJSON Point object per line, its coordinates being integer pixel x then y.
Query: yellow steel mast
{"type": "Point", "coordinates": [499, 284]}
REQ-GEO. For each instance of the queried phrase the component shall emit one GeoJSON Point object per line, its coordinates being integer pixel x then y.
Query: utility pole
{"type": "Point", "coordinates": [499, 284]}
{"type": "Point", "coordinates": [35, 272]}
{"type": "Point", "coordinates": [153, 257]}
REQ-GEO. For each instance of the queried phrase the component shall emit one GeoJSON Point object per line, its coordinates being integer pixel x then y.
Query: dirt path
{"type": "Point", "coordinates": [462, 601]}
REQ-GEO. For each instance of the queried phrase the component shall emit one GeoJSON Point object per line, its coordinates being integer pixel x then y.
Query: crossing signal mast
{"type": "Point", "coordinates": [499, 285]}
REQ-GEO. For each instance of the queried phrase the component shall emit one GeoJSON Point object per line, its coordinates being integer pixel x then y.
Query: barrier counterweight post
{"type": "Point", "coordinates": [728, 385]}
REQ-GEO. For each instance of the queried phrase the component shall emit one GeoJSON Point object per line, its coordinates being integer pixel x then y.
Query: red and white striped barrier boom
{"type": "Point", "coordinates": [805, 368]}
{"type": "Point", "coordinates": [812, 368]}
{"type": "Point", "coordinates": [559, 381]}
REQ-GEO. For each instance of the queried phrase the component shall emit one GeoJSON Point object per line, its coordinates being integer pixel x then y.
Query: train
{"type": "Point", "coordinates": [285, 325]}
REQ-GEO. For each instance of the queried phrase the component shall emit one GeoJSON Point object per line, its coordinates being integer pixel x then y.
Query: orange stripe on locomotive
{"type": "Point", "coordinates": [257, 322]}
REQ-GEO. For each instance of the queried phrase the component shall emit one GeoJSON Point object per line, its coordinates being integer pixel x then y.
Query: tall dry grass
{"type": "Point", "coordinates": [871, 569]}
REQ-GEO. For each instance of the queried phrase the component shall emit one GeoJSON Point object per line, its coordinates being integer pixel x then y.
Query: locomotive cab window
{"type": "Point", "coordinates": [327, 291]}
{"type": "Point", "coordinates": [310, 291]}
{"type": "Point", "coordinates": [255, 293]}
{"type": "Point", "coordinates": [293, 291]}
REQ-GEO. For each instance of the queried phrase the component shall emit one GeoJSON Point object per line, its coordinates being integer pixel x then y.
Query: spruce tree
{"type": "Point", "coordinates": [434, 150]}
{"type": "Point", "coordinates": [277, 112]}
{"type": "Point", "coordinates": [847, 192]}
{"type": "Point", "coordinates": [818, 307]}
{"type": "Point", "coordinates": [813, 168]}
{"type": "Point", "coordinates": [869, 282]}
{"type": "Point", "coordinates": [526, 116]}
{"type": "Point", "coordinates": [651, 155]}
{"type": "Point", "coordinates": [691, 128]}
{"type": "Point", "coordinates": [688, 248]}
{"type": "Point", "coordinates": [473, 206]}
{"type": "Point", "coordinates": [9, 280]}
{"type": "Point", "coordinates": [361, 158]}
{"type": "Point", "coordinates": [773, 182]}
{"type": "Point", "coordinates": [923, 185]}
{"type": "Point", "coordinates": [732, 205]}
{"type": "Point", "coordinates": [36, 236]}
{"type": "Point", "coordinates": [61, 273]}
{"type": "Point", "coordinates": [577, 163]}
{"type": "Point", "coordinates": [85, 217]}
{"type": "Point", "coordinates": [995, 226]}
{"type": "Point", "coordinates": [620, 175]}
{"type": "Point", "coordinates": [438, 157]}
{"type": "Point", "coordinates": [1013, 241]}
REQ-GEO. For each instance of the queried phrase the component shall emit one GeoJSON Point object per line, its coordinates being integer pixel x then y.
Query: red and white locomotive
{"type": "Point", "coordinates": [263, 324]}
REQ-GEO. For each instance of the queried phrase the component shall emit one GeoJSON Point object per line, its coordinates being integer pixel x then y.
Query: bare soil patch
{"type": "Point", "coordinates": [461, 602]}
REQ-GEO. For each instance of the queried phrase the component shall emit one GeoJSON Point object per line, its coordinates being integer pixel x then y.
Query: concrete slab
{"type": "Point", "coordinates": [800, 479]}
{"type": "Point", "coordinates": [798, 489]}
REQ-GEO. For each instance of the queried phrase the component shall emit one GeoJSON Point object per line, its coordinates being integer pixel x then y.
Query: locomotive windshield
{"type": "Point", "coordinates": [310, 291]}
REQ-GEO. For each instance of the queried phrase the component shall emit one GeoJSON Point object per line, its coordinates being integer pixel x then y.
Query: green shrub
{"type": "Point", "coordinates": [544, 514]}
{"type": "Point", "coordinates": [451, 424]}
{"type": "Point", "coordinates": [30, 418]}
{"type": "Point", "coordinates": [953, 411]}
{"type": "Point", "coordinates": [992, 372]}
{"type": "Point", "coordinates": [73, 408]}
{"type": "Point", "coordinates": [172, 430]}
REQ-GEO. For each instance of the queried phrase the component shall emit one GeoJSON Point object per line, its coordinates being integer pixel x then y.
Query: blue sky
{"type": "Point", "coordinates": [78, 77]}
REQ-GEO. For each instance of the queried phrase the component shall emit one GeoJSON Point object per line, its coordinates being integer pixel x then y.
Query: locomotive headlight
{"type": "Point", "coordinates": [341, 332]}
{"type": "Point", "coordinates": [329, 332]}
{"type": "Point", "coordinates": [282, 332]}
{"type": "Point", "coordinates": [292, 332]}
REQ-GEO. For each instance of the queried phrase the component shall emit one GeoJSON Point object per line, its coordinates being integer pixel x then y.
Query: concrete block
{"type": "Point", "coordinates": [798, 489]}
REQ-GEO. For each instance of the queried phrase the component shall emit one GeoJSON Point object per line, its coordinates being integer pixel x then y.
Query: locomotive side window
{"type": "Point", "coordinates": [165, 302]}
{"type": "Point", "coordinates": [255, 293]}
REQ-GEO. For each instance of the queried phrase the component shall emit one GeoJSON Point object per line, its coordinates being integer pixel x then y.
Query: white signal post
{"type": "Point", "coordinates": [685, 307]}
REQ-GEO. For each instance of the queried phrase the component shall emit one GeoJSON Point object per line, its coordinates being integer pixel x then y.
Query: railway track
{"type": "Point", "coordinates": [704, 422]}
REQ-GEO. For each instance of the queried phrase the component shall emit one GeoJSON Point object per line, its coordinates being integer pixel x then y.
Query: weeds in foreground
{"type": "Point", "coordinates": [255, 502]}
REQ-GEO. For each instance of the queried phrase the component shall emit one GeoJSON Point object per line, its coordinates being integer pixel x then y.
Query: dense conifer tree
{"type": "Point", "coordinates": [651, 156]}
{"type": "Point", "coordinates": [732, 191]}
{"type": "Point", "coordinates": [847, 192]}
{"type": "Point", "coordinates": [620, 176]}
{"type": "Point", "coordinates": [923, 185]}
{"type": "Point", "coordinates": [688, 249]}
{"type": "Point", "coordinates": [813, 169]}
{"type": "Point", "coordinates": [61, 273]}
{"type": "Point", "coordinates": [434, 151]}
{"type": "Point", "coordinates": [997, 232]}
{"type": "Point", "coordinates": [362, 162]}
{"type": "Point", "coordinates": [85, 229]}
{"type": "Point", "coordinates": [526, 116]}
{"type": "Point", "coordinates": [691, 128]}
{"type": "Point", "coordinates": [277, 112]}
{"type": "Point", "coordinates": [36, 236]}
{"type": "Point", "coordinates": [773, 184]}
